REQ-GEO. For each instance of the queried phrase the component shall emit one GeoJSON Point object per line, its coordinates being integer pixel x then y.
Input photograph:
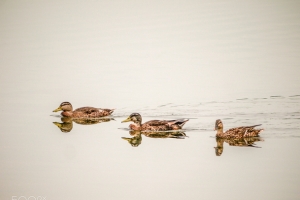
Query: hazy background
{"type": "Point", "coordinates": [164, 59]}
{"type": "Point", "coordinates": [149, 52]}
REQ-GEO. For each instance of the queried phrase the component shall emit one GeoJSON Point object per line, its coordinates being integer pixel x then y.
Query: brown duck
{"type": "Point", "coordinates": [84, 112]}
{"type": "Point", "coordinates": [238, 132]}
{"type": "Point", "coordinates": [154, 125]}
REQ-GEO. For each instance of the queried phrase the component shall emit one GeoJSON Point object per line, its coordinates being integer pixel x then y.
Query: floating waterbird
{"type": "Point", "coordinates": [238, 132]}
{"type": "Point", "coordinates": [84, 112]}
{"type": "Point", "coordinates": [154, 125]}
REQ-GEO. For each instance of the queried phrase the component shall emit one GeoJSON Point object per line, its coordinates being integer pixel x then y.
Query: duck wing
{"type": "Point", "coordinates": [87, 110]}
{"type": "Point", "coordinates": [243, 131]}
{"type": "Point", "coordinates": [106, 111]}
{"type": "Point", "coordinates": [156, 123]}
{"type": "Point", "coordinates": [94, 112]}
{"type": "Point", "coordinates": [177, 122]}
{"type": "Point", "coordinates": [164, 125]}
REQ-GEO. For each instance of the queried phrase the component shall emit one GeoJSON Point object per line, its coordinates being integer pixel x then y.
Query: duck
{"type": "Point", "coordinates": [238, 132]}
{"type": "Point", "coordinates": [84, 112]}
{"type": "Point", "coordinates": [153, 125]}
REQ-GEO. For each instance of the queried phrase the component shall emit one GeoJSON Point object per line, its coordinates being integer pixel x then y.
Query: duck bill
{"type": "Point", "coordinates": [126, 120]}
{"type": "Point", "coordinates": [57, 109]}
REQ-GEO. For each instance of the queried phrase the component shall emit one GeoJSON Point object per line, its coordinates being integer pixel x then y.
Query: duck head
{"type": "Point", "coordinates": [64, 106]}
{"type": "Point", "coordinates": [218, 125]}
{"type": "Point", "coordinates": [135, 118]}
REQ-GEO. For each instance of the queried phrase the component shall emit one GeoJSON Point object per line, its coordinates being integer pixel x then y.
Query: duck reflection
{"type": "Point", "coordinates": [136, 140]}
{"type": "Point", "coordinates": [240, 142]}
{"type": "Point", "coordinates": [67, 122]}
{"type": "Point", "coordinates": [167, 134]}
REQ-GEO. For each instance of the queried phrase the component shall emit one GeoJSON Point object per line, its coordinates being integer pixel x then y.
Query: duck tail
{"type": "Point", "coordinates": [254, 126]}
{"type": "Point", "coordinates": [260, 130]}
{"type": "Point", "coordinates": [110, 110]}
{"type": "Point", "coordinates": [181, 122]}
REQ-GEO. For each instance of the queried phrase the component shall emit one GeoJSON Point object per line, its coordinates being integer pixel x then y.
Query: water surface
{"type": "Point", "coordinates": [235, 61]}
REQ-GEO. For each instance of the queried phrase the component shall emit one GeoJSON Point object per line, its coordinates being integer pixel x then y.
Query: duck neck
{"type": "Point", "coordinates": [135, 127]}
{"type": "Point", "coordinates": [67, 113]}
{"type": "Point", "coordinates": [220, 132]}
{"type": "Point", "coordinates": [138, 123]}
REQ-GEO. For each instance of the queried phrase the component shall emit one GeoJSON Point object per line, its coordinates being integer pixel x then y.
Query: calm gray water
{"type": "Point", "coordinates": [235, 61]}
